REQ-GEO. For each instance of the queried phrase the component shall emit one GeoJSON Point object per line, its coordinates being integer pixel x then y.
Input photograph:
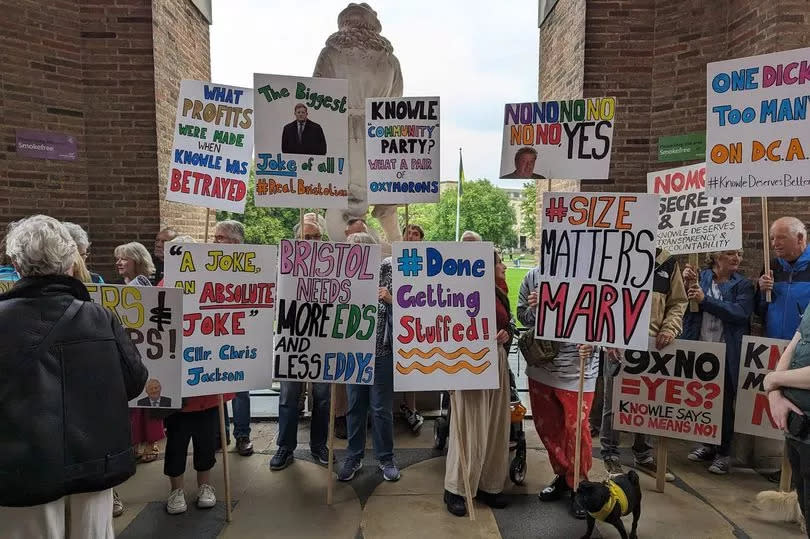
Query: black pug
{"type": "Point", "coordinates": [610, 500]}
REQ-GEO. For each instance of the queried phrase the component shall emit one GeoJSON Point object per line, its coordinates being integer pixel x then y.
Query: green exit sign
{"type": "Point", "coordinates": [682, 147]}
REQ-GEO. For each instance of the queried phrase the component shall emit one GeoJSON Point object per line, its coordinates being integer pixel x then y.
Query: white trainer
{"type": "Point", "coordinates": [206, 497]}
{"type": "Point", "coordinates": [177, 502]}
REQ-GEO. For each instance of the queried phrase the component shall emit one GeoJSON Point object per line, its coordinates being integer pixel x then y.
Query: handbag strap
{"type": "Point", "coordinates": [67, 316]}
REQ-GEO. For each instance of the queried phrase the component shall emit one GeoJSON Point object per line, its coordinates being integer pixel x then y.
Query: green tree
{"type": "Point", "coordinates": [263, 226]}
{"type": "Point", "coordinates": [528, 207]}
{"type": "Point", "coordinates": [484, 209]}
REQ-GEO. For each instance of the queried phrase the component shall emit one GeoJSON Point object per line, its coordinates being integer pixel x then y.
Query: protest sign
{"type": "Point", "coordinates": [213, 146]}
{"type": "Point", "coordinates": [444, 316]}
{"type": "Point", "coordinates": [558, 139]}
{"type": "Point", "coordinates": [676, 392]}
{"type": "Point", "coordinates": [152, 317]}
{"type": "Point", "coordinates": [327, 312]}
{"type": "Point", "coordinates": [302, 142]}
{"type": "Point", "coordinates": [757, 131]}
{"type": "Point", "coordinates": [752, 415]}
{"type": "Point", "coordinates": [228, 312]}
{"type": "Point", "coordinates": [598, 266]}
{"type": "Point", "coordinates": [690, 221]}
{"type": "Point", "coordinates": [402, 150]}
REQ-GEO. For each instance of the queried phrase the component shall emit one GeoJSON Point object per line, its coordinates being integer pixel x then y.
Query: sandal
{"type": "Point", "coordinates": [151, 456]}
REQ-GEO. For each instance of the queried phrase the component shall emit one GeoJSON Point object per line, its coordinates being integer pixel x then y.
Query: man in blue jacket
{"type": "Point", "coordinates": [789, 279]}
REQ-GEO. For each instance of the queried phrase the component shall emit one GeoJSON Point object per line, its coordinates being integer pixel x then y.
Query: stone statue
{"type": "Point", "coordinates": [359, 53]}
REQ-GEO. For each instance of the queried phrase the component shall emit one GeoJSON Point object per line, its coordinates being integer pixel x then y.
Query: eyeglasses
{"type": "Point", "coordinates": [312, 237]}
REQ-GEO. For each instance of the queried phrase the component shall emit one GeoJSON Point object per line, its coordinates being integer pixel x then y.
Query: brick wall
{"type": "Point", "coordinates": [40, 51]}
{"type": "Point", "coordinates": [178, 54]}
{"type": "Point", "coordinates": [119, 108]}
{"type": "Point", "coordinates": [562, 42]}
{"type": "Point", "coordinates": [91, 69]}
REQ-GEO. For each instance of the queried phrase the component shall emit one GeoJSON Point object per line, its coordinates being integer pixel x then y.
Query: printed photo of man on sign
{"type": "Point", "coordinates": [302, 141]}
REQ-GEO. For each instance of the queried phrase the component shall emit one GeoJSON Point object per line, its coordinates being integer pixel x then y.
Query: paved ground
{"type": "Point", "coordinates": [292, 503]}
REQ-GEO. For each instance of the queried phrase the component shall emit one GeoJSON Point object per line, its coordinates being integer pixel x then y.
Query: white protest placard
{"type": "Point", "coordinates": [675, 392]}
{"type": "Point", "coordinates": [213, 146]}
{"type": "Point", "coordinates": [558, 139]}
{"type": "Point", "coordinates": [444, 316]}
{"type": "Point", "coordinates": [690, 221]}
{"type": "Point", "coordinates": [152, 317]}
{"type": "Point", "coordinates": [402, 150]}
{"type": "Point", "coordinates": [229, 306]}
{"type": "Point", "coordinates": [757, 130]}
{"type": "Point", "coordinates": [302, 142]}
{"type": "Point", "coordinates": [327, 312]}
{"type": "Point", "coordinates": [598, 262]}
{"type": "Point", "coordinates": [752, 413]}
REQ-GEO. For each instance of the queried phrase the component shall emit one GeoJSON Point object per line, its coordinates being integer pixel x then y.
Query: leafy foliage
{"type": "Point", "coordinates": [528, 207]}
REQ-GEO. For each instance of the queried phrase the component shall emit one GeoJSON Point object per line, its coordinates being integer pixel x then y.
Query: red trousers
{"type": "Point", "coordinates": [554, 412]}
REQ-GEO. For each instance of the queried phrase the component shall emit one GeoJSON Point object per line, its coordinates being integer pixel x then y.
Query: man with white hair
{"type": "Point", "coordinates": [469, 235]}
{"type": "Point", "coordinates": [82, 244]}
{"type": "Point", "coordinates": [234, 232]}
{"type": "Point", "coordinates": [788, 281]}
{"type": "Point", "coordinates": [80, 446]}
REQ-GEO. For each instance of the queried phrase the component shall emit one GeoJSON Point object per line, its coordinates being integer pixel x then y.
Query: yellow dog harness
{"type": "Point", "coordinates": [617, 495]}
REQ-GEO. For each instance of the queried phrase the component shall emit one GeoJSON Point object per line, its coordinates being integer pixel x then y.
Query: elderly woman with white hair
{"type": "Point", "coordinates": [70, 370]}
{"type": "Point", "coordinates": [134, 264]}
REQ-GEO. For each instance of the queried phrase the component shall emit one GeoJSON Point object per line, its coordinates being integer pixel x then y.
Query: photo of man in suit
{"type": "Point", "coordinates": [525, 158]}
{"type": "Point", "coordinates": [153, 398]}
{"type": "Point", "coordinates": [303, 135]}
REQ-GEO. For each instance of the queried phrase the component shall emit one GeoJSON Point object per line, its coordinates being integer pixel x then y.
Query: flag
{"type": "Point", "coordinates": [458, 195]}
{"type": "Point", "coordinates": [460, 173]}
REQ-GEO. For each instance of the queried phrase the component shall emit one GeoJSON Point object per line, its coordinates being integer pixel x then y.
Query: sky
{"type": "Point", "coordinates": [476, 55]}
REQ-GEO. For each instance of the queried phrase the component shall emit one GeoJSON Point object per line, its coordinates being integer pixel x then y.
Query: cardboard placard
{"type": "Point", "coordinates": [558, 139]}
{"type": "Point", "coordinates": [229, 306]}
{"type": "Point", "coordinates": [752, 415]}
{"type": "Point", "coordinates": [402, 150]}
{"type": "Point", "coordinates": [153, 319]}
{"type": "Point", "coordinates": [213, 146]}
{"type": "Point", "coordinates": [327, 312]}
{"type": "Point", "coordinates": [598, 264]}
{"type": "Point", "coordinates": [690, 221]}
{"type": "Point", "coordinates": [302, 142]}
{"type": "Point", "coordinates": [444, 316]}
{"type": "Point", "coordinates": [757, 129]}
{"type": "Point", "coordinates": [676, 392]}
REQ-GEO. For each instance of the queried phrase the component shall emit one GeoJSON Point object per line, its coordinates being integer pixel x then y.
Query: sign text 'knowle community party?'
{"type": "Point", "coordinates": [213, 146]}
{"type": "Point", "coordinates": [444, 316]}
{"type": "Point", "coordinates": [327, 312]}
{"type": "Point", "coordinates": [229, 305]}
{"type": "Point", "coordinates": [402, 150]}
{"type": "Point", "coordinates": [597, 258]}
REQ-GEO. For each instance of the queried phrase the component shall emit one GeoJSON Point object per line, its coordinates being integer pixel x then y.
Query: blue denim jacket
{"type": "Point", "coordinates": [734, 310]}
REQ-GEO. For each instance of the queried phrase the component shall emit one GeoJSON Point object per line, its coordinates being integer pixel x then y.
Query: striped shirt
{"type": "Point", "coordinates": [563, 371]}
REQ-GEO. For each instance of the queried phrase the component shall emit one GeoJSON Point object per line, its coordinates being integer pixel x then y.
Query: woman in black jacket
{"type": "Point", "coordinates": [69, 371]}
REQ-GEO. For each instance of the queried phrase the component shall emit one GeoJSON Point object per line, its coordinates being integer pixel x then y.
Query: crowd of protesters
{"type": "Point", "coordinates": [47, 317]}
